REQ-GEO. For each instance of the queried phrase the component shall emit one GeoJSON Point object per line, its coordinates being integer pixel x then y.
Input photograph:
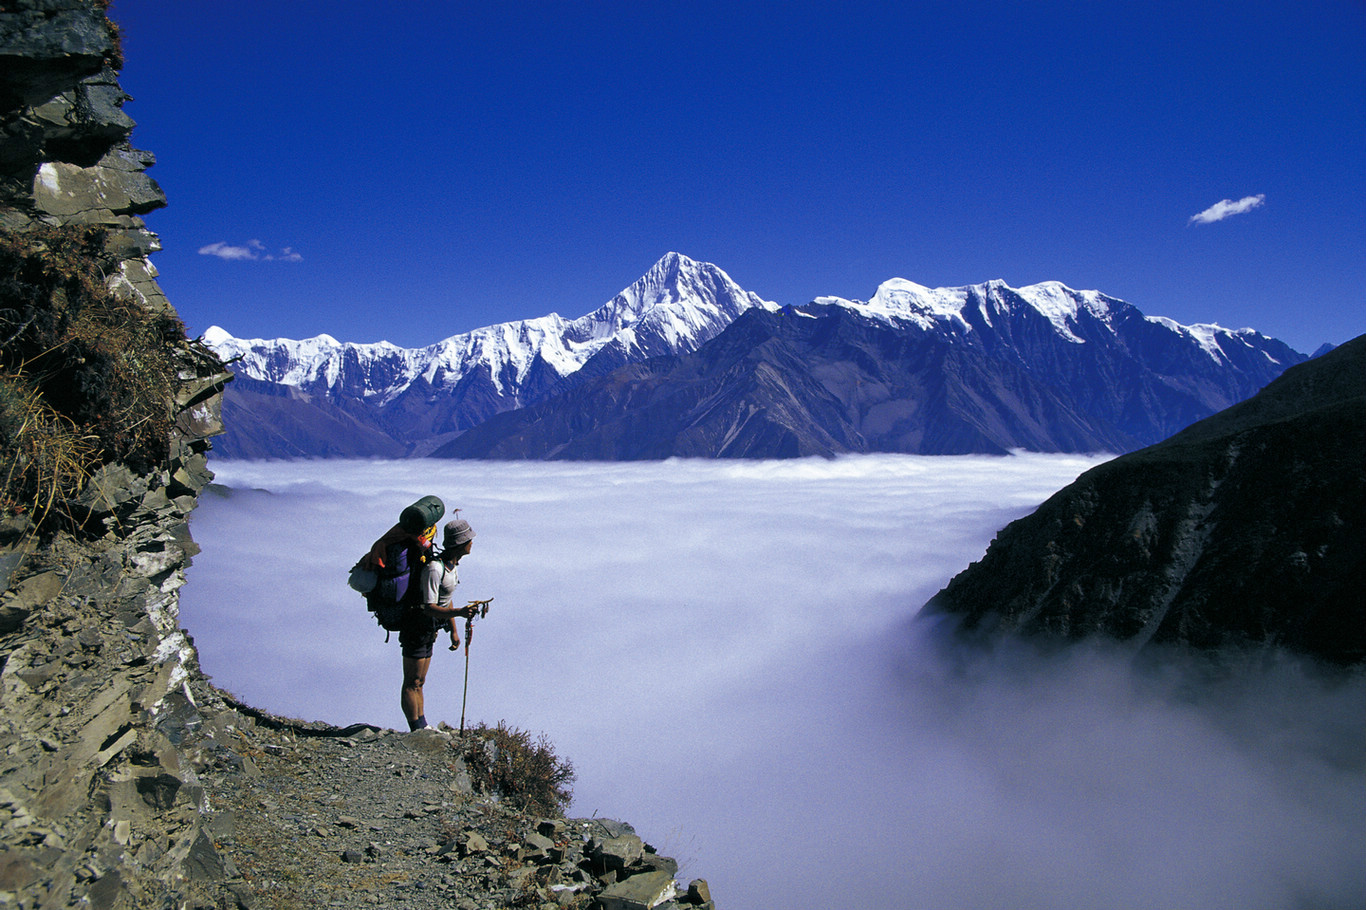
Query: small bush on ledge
{"type": "Point", "coordinates": [530, 776]}
{"type": "Point", "coordinates": [87, 376]}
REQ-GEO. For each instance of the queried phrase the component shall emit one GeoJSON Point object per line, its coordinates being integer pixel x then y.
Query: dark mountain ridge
{"type": "Point", "coordinates": [1249, 527]}
{"type": "Point", "coordinates": [279, 421]}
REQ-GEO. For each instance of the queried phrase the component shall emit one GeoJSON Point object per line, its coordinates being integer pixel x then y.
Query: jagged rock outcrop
{"type": "Point", "coordinates": [98, 807]}
{"type": "Point", "coordinates": [1247, 528]}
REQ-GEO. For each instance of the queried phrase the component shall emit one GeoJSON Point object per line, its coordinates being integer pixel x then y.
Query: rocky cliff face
{"type": "Point", "coordinates": [98, 806]}
{"type": "Point", "coordinates": [1248, 528]}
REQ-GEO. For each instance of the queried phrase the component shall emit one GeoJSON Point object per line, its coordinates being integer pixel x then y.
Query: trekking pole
{"type": "Point", "coordinates": [483, 606]}
{"type": "Point", "coordinates": [469, 630]}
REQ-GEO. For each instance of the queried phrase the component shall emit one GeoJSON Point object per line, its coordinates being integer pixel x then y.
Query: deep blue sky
{"type": "Point", "coordinates": [410, 170]}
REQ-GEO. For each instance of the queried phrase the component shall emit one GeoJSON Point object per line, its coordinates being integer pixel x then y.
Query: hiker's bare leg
{"type": "Point", "coordinates": [414, 676]}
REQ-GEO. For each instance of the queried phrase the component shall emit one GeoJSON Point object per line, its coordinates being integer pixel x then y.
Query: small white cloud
{"type": "Point", "coordinates": [253, 250]}
{"type": "Point", "coordinates": [227, 251]}
{"type": "Point", "coordinates": [1228, 207]}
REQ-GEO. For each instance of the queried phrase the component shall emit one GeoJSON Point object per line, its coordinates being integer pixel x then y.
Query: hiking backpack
{"type": "Point", "coordinates": [394, 589]}
{"type": "Point", "coordinates": [399, 584]}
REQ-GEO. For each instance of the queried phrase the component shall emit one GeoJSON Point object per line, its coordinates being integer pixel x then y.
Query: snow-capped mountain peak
{"type": "Point", "coordinates": [675, 307]}
{"type": "Point", "coordinates": [679, 302]}
{"type": "Point", "coordinates": [1064, 307]}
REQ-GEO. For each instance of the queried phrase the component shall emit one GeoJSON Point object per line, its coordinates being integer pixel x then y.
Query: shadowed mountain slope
{"type": "Point", "coordinates": [1248, 527]}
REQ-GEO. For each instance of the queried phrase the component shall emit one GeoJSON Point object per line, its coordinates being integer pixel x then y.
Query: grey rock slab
{"type": "Point", "coordinates": [639, 892]}
{"type": "Point", "coordinates": [616, 853]}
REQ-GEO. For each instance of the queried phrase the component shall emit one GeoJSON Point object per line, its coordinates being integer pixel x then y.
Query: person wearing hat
{"type": "Point", "coordinates": [418, 634]}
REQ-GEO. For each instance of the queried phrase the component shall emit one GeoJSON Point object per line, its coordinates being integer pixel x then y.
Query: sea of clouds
{"type": "Point", "coordinates": [729, 654]}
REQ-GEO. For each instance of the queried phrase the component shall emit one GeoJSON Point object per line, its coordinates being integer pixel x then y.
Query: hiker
{"type": "Point", "coordinates": [419, 630]}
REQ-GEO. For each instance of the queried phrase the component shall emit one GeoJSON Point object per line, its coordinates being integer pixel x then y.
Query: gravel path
{"type": "Point", "coordinates": [309, 816]}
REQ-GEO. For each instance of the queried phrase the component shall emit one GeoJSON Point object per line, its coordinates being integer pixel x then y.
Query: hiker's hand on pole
{"type": "Point", "coordinates": [469, 611]}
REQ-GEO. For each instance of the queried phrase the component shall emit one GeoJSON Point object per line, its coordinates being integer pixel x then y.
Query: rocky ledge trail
{"type": "Point", "coordinates": [306, 815]}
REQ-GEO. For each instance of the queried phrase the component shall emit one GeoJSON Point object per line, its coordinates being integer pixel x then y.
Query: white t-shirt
{"type": "Point", "coordinates": [438, 583]}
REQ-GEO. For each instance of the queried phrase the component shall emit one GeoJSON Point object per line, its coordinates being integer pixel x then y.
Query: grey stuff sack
{"type": "Point", "coordinates": [362, 580]}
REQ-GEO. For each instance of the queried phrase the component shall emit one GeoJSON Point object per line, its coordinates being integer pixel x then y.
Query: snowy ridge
{"type": "Point", "coordinates": [1043, 367]}
{"type": "Point", "coordinates": [905, 301]}
{"type": "Point", "coordinates": [304, 363]}
{"type": "Point", "coordinates": [1208, 335]}
{"type": "Point", "coordinates": [673, 308]}
{"type": "Point", "coordinates": [1072, 314]}
{"type": "Point", "coordinates": [899, 300]}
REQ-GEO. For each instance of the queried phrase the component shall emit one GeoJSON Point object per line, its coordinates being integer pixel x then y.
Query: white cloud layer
{"type": "Point", "coordinates": [1227, 208]}
{"type": "Point", "coordinates": [726, 651]}
{"type": "Point", "coordinates": [253, 250]}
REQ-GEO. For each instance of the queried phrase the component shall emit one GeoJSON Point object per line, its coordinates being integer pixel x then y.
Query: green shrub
{"type": "Point", "coordinates": [89, 374]}
{"type": "Point", "coordinates": [504, 760]}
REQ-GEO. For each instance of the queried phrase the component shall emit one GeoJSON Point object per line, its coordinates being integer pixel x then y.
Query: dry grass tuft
{"type": "Point", "coordinates": [43, 456]}
{"type": "Point", "coordinates": [89, 376]}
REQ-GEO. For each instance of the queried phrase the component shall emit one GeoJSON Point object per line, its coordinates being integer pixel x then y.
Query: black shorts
{"type": "Point", "coordinates": [418, 634]}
